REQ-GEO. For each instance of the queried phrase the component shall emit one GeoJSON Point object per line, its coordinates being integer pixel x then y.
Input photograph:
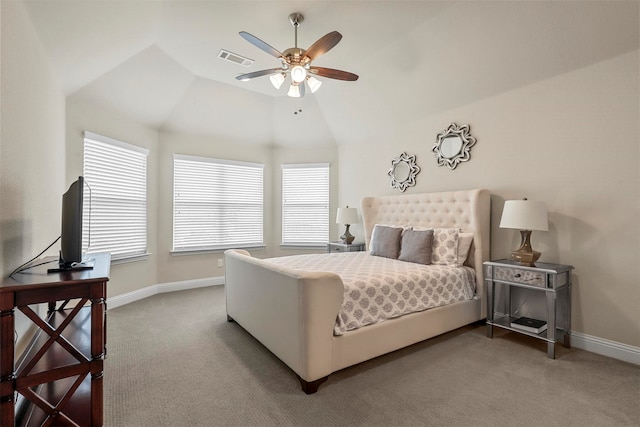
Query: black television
{"type": "Point", "coordinates": [71, 234]}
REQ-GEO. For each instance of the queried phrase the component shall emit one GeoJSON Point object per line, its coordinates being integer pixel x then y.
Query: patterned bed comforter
{"type": "Point", "coordinates": [377, 288]}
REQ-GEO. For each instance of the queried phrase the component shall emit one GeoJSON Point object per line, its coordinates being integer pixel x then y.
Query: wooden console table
{"type": "Point", "coordinates": [59, 376]}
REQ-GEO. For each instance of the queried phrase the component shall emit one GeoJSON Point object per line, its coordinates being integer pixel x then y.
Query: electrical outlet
{"type": "Point", "coordinates": [220, 263]}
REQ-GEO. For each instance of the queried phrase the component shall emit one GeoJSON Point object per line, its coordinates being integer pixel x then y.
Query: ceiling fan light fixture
{"type": "Point", "coordinates": [277, 80]}
{"type": "Point", "coordinates": [314, 84]}
{"type": "Point", "coordinates": [294, 91]}
{"type": "Point", "coordinates": [296, 61]}
{"type": "Point", "coordinates": [298, 74]}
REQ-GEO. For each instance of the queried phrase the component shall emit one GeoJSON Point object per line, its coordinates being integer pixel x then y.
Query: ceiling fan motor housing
{"type": "Point", "coordinates": [294, 55]}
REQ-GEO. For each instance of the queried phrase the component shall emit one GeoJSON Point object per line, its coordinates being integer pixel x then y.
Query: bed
{"type": "Point", "coordinates": [294, 311]}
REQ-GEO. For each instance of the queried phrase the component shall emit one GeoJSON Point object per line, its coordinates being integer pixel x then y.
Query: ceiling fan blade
{"type": "Point", "coordinates": [260, 44]}
{"type": "Point", "coordinates": [323, 45]}
{"type": "Point", "coordinates": [334, 74]}
{"type": "Point", "coordinates": [249, 76]}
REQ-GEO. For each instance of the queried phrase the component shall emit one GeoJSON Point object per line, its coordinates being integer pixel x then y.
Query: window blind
{"type": "Point", "coordinates": [217, 204]}
{"type": "Point", "coordinates": [305, 204]}
{"type": "Point", "coordinates": [115, 199]}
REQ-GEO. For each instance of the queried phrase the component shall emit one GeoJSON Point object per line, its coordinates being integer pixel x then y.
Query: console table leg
{"type": "Point", "coordinates": [98, 348]}
{"type": "Point", "coordinates": [7, 374]}
{"type": "Point", "coordinates": [97, 399]}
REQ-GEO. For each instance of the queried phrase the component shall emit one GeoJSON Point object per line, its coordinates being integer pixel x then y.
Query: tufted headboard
{"type": "Point", "coordinates": [468, 210]}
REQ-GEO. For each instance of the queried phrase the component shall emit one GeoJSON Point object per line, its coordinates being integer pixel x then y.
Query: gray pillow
{"type": "Point", "coordinates": [416, 246]}
{"type": "Point", "coordinates": [385, 241]}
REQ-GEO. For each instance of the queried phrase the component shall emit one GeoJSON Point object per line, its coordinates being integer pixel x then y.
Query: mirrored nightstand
{"type": "Point", "coordinates": [343, 247]}
{"type": "Point", "coordinates": [554, 280]}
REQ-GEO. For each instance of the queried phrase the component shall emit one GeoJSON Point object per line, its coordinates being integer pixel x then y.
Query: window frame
{"type": "Point", "coordinates": [187, 249]}
{"type": "Point", "coordinates": [321, 242]}
{"type": "Point", "coordinates": [134, 155]}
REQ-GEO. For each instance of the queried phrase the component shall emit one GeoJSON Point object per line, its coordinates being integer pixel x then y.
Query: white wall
{"type": "Point", "coordinates": [571, 141]}
{"type": "Point", "coordinates": [32, 165]}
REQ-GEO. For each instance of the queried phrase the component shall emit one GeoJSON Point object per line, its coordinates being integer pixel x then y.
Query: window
{"type": "Point", "coordinates": [115, 218]}
{"type": "Point", "coordinates": [305, 204]}
{"type": "Point", "coordinates": [217, 204]}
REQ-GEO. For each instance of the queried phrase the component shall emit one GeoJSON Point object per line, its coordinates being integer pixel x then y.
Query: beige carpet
{"type": "Point", "coordinates": [174, 360]}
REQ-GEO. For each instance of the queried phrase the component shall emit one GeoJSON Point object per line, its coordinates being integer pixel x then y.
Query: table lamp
{"type": "Point", "coordinates": [347, 216]}
{"type": "Point", "coordinates": [525, 215]}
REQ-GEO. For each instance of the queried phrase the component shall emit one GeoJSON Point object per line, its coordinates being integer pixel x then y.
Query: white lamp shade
{"type": "Point", "coordinates": [294, 91]}
{"type": "Point", "coordinates": [347, 216]}
{"type": "Point", "coordinates": [314, 84]}
{"type": "Point", "coordinates": [525, 215]}
{"type": "Point", "coordinates": [277, 80]}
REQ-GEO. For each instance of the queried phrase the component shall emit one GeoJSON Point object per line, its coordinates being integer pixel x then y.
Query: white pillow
{"type": "Point", "coordinates": [445, 246]}
{"type": "Point", "coordinates": [464, 244]}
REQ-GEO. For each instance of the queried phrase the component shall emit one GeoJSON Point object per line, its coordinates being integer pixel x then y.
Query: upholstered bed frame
{"type": "Point", "coordinates": [293, 312]}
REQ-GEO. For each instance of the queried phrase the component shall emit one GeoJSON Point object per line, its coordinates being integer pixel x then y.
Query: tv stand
{"type": "Point", "coordinates": [59, 377]}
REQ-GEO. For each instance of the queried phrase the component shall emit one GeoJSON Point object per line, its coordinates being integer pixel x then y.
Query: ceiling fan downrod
{"type": "Point", "coordinates": [296, 19]}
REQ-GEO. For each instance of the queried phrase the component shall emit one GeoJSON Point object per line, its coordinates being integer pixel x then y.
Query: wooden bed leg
{"type": "Point", "coordinates": [312, 386]}
{"type": "Point", "coordinates": [230, 319]}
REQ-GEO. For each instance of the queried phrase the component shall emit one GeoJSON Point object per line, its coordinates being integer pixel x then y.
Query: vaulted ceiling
{"type": "Point", "coordinates": [157, 61]}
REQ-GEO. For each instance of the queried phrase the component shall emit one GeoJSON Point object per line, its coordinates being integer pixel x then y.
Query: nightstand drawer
{"type": "Point", "coordinates": [533, 278]}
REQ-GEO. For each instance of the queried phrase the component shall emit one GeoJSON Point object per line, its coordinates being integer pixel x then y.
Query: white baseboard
{"type": "Point", "coordinates": [613, 349]}
{"type": "Point", "coordinates": [129, 297]}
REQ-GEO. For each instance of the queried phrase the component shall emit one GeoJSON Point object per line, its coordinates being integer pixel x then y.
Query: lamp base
{"type": "Point", "coordinates": [525, 254]}
{"type": "Point", "coordinates": [525, 258]}
{"type": "Point", "coordinates": [347, 237]}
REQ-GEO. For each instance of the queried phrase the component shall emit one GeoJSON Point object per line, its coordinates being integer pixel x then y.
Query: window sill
{"type": "Point", "coordinates": [128, 259]}
{"type": "Point", "coordinates": [187, 252]}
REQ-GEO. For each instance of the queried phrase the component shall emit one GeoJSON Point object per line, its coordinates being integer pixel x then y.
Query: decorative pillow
{"type": "Point", "coordinates": [445, 246]}
{"type": "Point", "coordinates": [385, 241]}
{"type": "Point", "coordinates": [416, 246]}
{"type": "Point", "coordinates": [464, 244]}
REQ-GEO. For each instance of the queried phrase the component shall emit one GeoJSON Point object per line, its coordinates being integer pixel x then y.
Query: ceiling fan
{"type": "Point", "coordinates": [296, 62]}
